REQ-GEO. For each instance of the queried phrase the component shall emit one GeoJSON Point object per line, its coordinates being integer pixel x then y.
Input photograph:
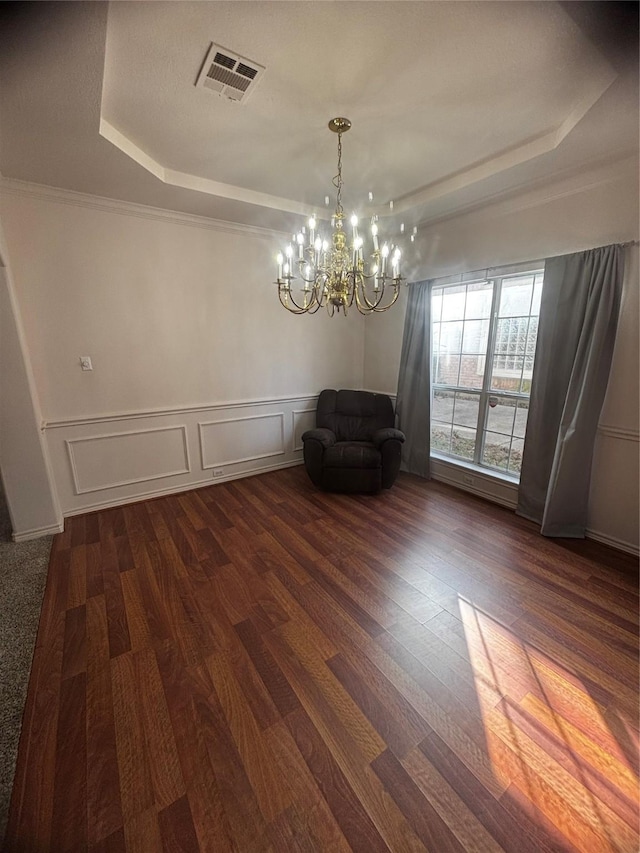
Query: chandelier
{"type": "Point", "coordinates": [333, 273]}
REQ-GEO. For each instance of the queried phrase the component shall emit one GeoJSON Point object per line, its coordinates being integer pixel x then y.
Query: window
{"type": "Point", "coordinates": [484, 341]}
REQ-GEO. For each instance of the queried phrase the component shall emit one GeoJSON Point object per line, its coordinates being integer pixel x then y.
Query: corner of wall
{"type": "Point", "coordinates": [24, 461]}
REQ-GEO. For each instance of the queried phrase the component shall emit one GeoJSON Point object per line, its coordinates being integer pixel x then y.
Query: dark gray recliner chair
{"type": "Point", "coordinates": [355, 447]}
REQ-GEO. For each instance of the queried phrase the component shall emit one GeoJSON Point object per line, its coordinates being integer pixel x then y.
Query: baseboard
{"type": "Point", "coordinates": [613, 542]}
{"type": "Point", "coordinates": [483, 485]}
{"type": "Point", "coordinates": [488, 494]}
{"type": "Point", "coordinates": [200, 484]}
{"type": "Point", "coordinates": [37, 532]}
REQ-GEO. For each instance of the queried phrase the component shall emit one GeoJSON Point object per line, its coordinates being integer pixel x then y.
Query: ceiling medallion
{"type": "Point", "coordinates": [332, 273]}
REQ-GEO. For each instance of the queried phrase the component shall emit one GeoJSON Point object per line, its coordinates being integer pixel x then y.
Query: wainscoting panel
{"type": "Point", "coordinates": [121, 457]}
{"type": "Point", "coordinates": [303, 419]}
{"type": "Point", "coordinates": [614, 501]}
{"type": "Point", "coordinates": [106, 461]}
{"type": "Point", "coordinates": [247, 439]}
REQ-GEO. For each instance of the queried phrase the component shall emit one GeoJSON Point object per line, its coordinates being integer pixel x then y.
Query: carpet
{"type": "Point", "coordinates": [23, 573]}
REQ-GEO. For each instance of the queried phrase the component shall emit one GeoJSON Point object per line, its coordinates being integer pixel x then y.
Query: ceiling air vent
{"type": "Point", "coordinates": [228, 74]}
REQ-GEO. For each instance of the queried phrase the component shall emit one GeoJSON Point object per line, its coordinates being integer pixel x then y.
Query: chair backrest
{"type": "Point", "coordinates": [354, 415]}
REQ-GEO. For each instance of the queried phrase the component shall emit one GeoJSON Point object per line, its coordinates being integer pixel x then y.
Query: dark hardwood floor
{"type": "Point", "coordinates": [258, 666]}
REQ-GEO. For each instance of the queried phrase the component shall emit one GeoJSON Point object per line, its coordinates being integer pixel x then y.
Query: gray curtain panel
{"type": "Point", "coordinates": [578, 321]}
{"type": "Point", "coordinates": [413, 402]}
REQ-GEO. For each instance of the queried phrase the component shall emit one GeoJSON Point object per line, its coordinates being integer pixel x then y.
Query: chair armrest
{"type": "Point", "coordinates": [326, 437]}
{"type": "Point", "coordinates": [383, 435]}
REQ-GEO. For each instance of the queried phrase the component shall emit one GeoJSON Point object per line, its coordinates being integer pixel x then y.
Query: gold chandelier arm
{"type": "Point", "coordinates": [368, 305]}
{"type": "Point", "coordinates": [286, 305]}
{"type": "Point", "coordinates": [310, 307]}
{"type": "Point", "coordinates": [375, 307]}
{"type": "Point", "coordinates": [396, 293]}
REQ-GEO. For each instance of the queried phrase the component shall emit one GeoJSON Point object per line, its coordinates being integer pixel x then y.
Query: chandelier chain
{"type": "Point", "coordinates": [337, 181]}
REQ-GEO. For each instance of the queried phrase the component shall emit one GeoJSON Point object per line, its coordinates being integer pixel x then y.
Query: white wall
{"type": "Point", "coordinates": [24, 464]}
{"type": "Point", "coordinates": [578, 212]}
{"type": "Point", "coordinates": [188, 380]}
{"type": "Point", "coordinates": [181, 320]}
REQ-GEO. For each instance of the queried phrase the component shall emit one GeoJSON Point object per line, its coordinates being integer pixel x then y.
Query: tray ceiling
{"type": "Point", "coordinates": [451, 102]}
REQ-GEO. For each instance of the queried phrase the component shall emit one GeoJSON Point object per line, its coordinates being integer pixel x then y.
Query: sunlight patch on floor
{"type": "Point", "coordinates": [547, 737]}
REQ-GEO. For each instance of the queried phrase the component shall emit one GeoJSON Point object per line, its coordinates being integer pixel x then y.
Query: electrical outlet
{"type": "Point", "coordinates": [218, 472]}
{"type": "Point", "coordinates": [467, 479]}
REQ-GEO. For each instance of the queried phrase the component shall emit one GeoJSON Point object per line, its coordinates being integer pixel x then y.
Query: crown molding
{"type": "Point", "coordinates": [509, 197]}
{"type": "Point", "coordinates": [529, 149]}
{"type": "Point", "coordinates": [188, 181]}
{"type": "Point", "coordinates": [12, 186]}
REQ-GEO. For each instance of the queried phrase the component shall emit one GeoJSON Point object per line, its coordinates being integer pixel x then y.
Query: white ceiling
{"type": "Point", "coordinates": [451, 102]}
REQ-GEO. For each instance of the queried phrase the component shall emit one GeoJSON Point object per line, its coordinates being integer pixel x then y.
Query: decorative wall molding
{"type": "Point", "coordinates": [73, 461]}
{"type": "Point", "coordinates": [11, 186]}
{"type": "Point", "coordinates": [109, 460]}
{"type": "Point", "coordinates": [175, 410]}
{"type": "Point", "coordinates": [296, 416]}
{"type": "Point", "coordinates": [619, 432]}
{"type": "Point", "coordinates": [223, 462]}
{"type": "Point", "coordinates": [391, 394]}
{"type": "Point", "coordinates": [190, 181]}
{"type": "Point", "coordinates": [508, 198]}
{"type": "Point", "coordinates": [511, 201]}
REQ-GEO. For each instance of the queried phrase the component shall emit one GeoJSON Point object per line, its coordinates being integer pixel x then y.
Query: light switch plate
{"type": "Point", "coordinates": [85, 362]}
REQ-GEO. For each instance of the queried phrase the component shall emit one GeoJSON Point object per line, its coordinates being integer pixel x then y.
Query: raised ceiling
{"type": "Point", "coordinates": [451, 103]}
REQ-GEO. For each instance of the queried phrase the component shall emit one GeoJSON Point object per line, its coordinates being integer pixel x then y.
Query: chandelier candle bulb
{"type": "Point", "coordinates": [357, 245]}
{"type": "Point", "coordinates": [395, 264]}
{"type": "Point", "coordinates": [301, 247]}
{"type": "Point", "coordinates": [279, 260]}
{"type": "Point", "coordinates": [374, 234]}
{"type": "Point", "coordinates": [385, 255]}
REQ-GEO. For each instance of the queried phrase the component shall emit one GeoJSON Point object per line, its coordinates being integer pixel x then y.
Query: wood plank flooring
{"type": "Point", "coordinates": [258, 666]}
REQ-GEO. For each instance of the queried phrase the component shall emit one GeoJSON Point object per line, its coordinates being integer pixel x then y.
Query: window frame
{"type": "Point", "coordinates": [496, 279]}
